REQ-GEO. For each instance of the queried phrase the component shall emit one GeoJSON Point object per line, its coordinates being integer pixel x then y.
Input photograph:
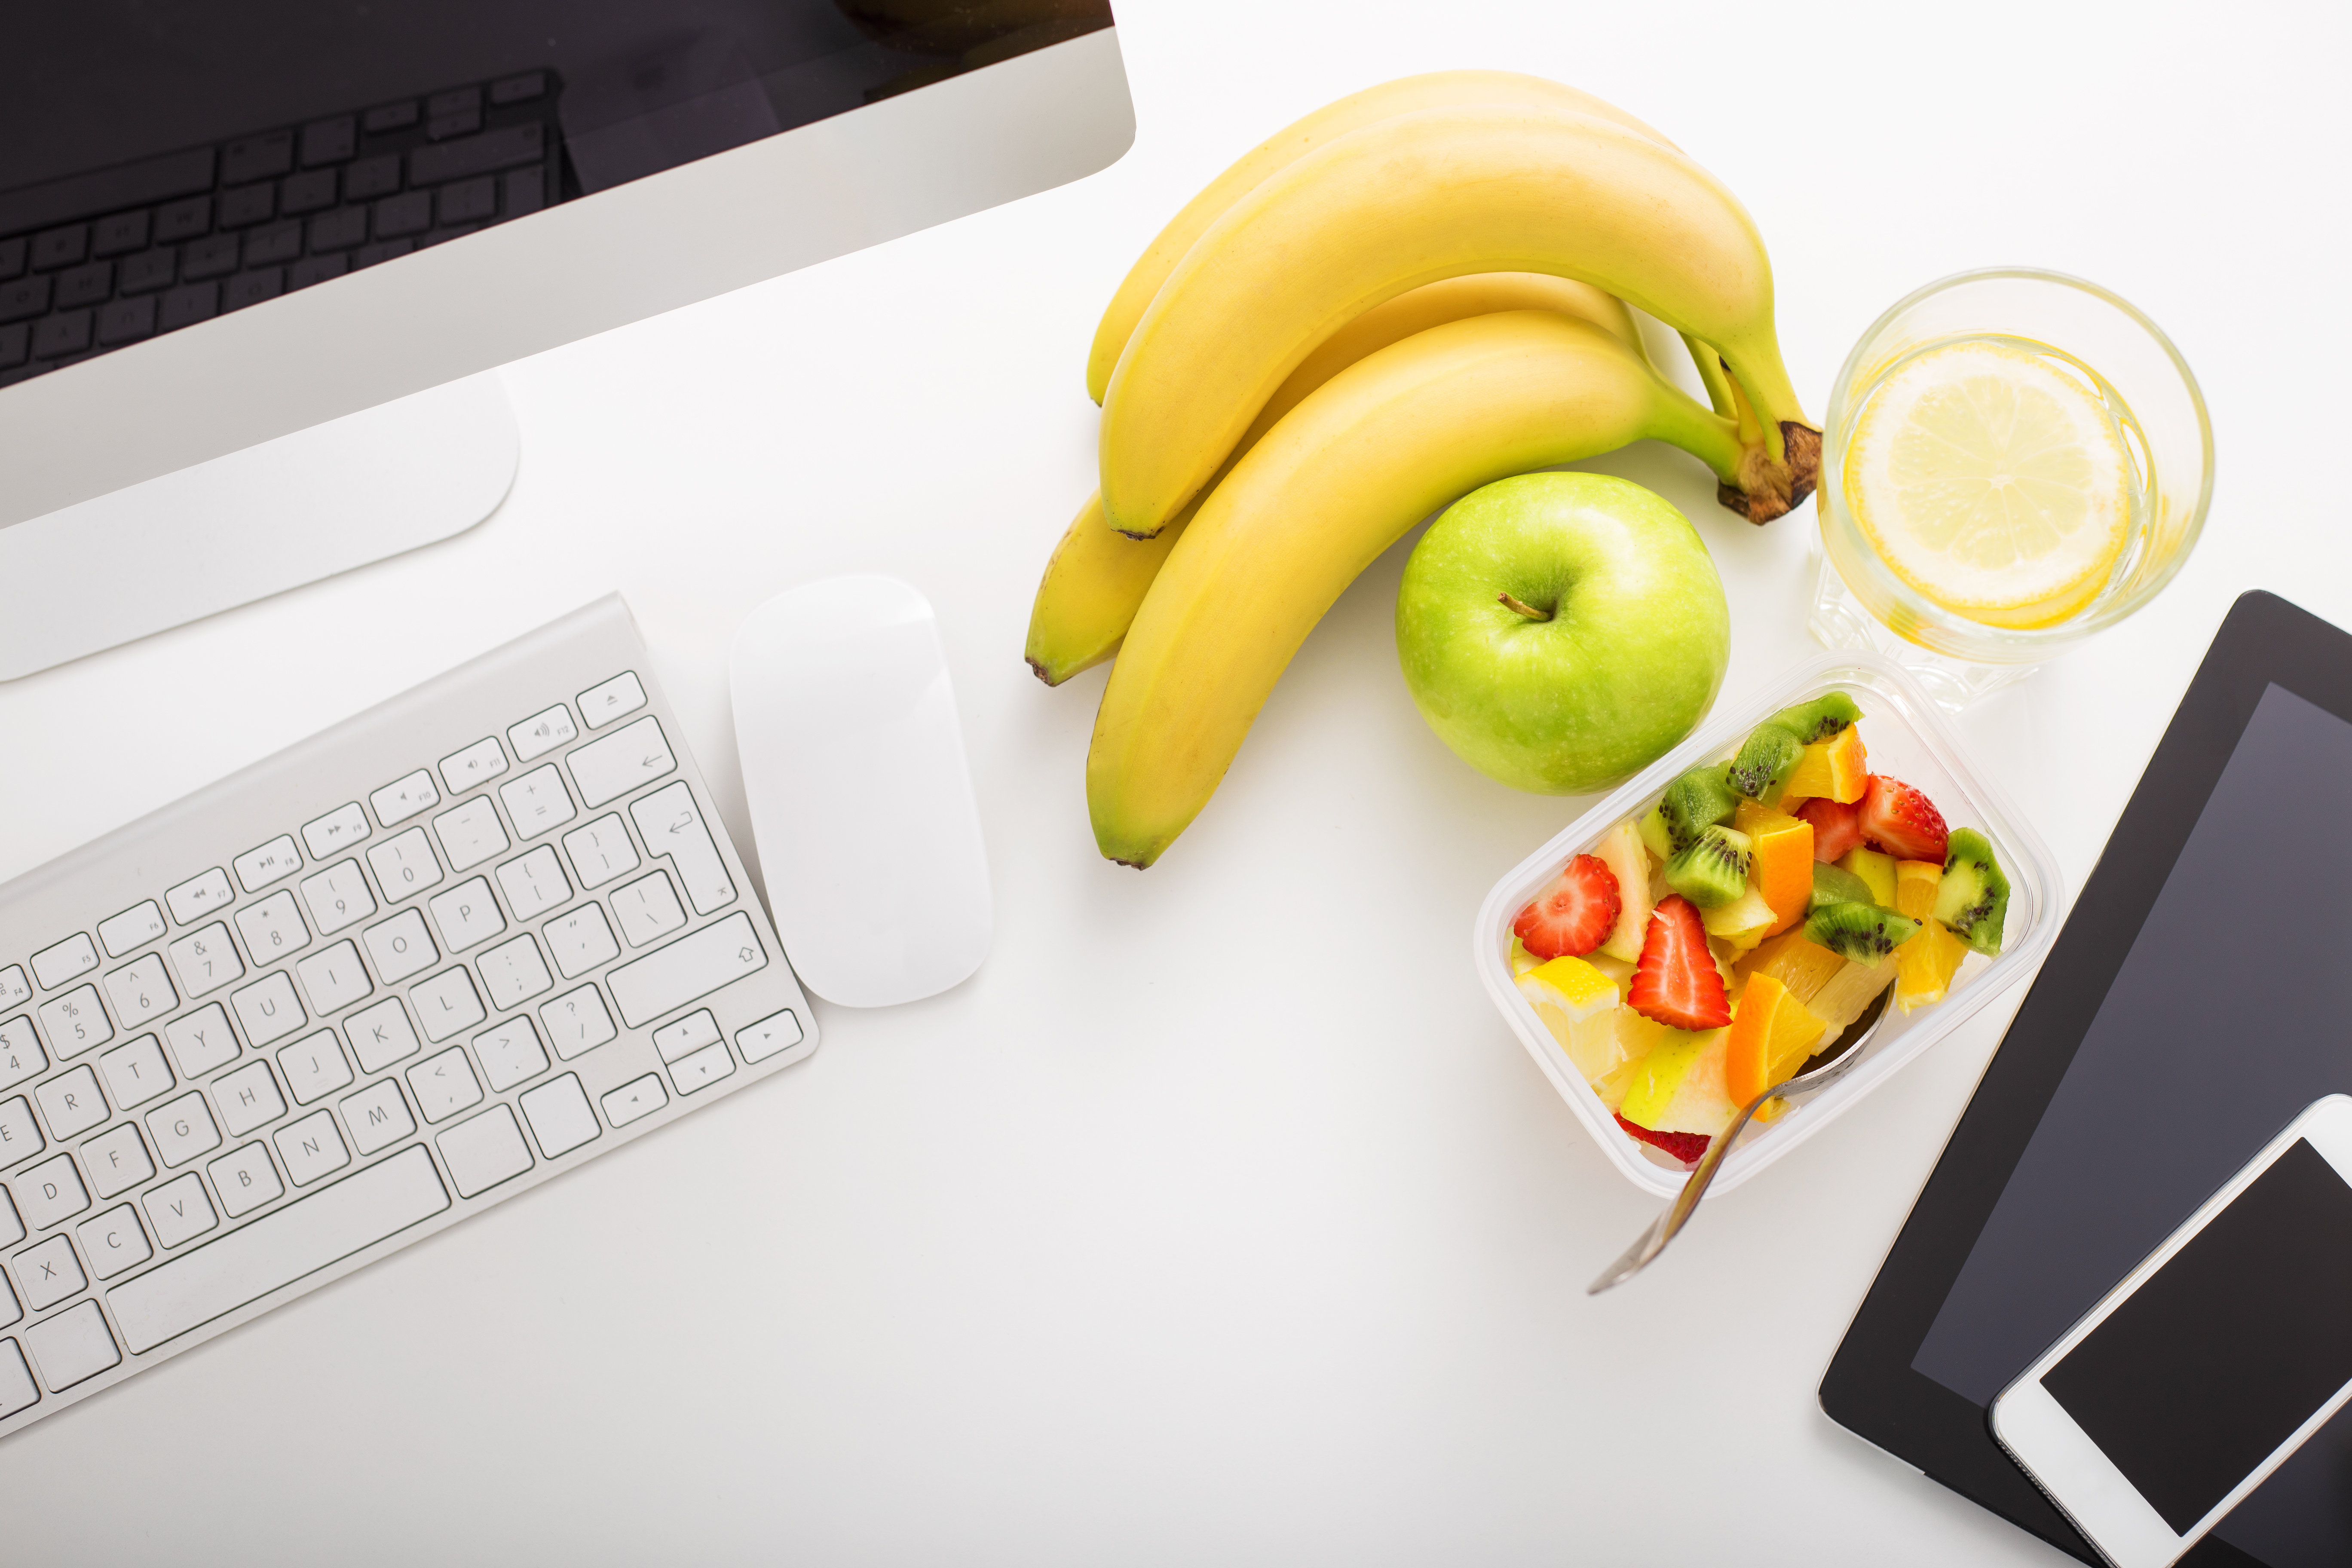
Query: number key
{"type": "Point", "coordinates": [273, 928]}
{"type": "Point", "coordinates": [75, 1022]}
{"type": "Point", "coordinates": [405, 865]}
{"type": "Point", "coordinates": [206, 960]}
{"type": "Point", "coordinates": [337, 896]}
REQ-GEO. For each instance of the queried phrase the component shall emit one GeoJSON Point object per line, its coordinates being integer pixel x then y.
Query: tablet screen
{"type": "Point", "coordinates": [2198, 1377]}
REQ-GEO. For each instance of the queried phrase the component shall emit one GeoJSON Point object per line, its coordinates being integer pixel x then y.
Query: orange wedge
{"type": "Point", "coordinates": [1782, 869]}
{"type": "Point", "coordinates": [1924, 965]}
{"type": "Point", "coordinates": [1769, 1039]}
{"type": "Point", "coordinates": [1835, 769]}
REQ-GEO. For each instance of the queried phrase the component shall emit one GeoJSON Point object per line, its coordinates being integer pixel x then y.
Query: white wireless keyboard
{"type": "Point", "coordinates": [392, 975]}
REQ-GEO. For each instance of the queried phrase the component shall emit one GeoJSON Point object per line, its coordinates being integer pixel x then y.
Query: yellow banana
{"type": "Point", "coordinates": [1098, 576]}
{"type": "Point", "coordinates": [1380, 446]}
{"type": "Point", "coordinates": [1292, 142]}
{"type": "Point", "coordinates": [1435, 193]}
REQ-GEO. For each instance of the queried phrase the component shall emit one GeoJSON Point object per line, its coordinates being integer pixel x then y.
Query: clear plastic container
{"type": "Point", "coordinates": [1907, 739]}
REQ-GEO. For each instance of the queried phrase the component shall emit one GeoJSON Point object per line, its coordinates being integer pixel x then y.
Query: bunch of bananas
{"type": "Point", "coordinates": [1406, 295]}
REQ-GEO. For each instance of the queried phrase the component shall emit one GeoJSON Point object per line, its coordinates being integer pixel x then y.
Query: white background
{"type": "Point", "coordinates": [1220, 1217]}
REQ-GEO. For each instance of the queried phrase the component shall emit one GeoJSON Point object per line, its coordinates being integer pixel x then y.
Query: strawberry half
{"type": "Point", "coordinates": [1687, 1147]}
{"type": "Point", "coordinates": [1901, 821]}
{"type": "Point", "coordinates": [1575, 914]}
{"type": "Point", "coordinates": [1836, 828]}
{"type": "Point", "coordinates": [1676, 983]}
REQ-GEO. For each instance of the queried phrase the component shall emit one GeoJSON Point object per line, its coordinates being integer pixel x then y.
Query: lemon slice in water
{"type": "Point", "coordinates": [1993, 480]}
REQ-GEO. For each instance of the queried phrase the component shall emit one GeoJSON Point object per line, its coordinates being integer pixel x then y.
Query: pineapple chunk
{"type": "Point", "coordinates": [1804, 967]}
{"type": "Point", "coordinates": [1578, 1004]}
{"type": "Point", "coordinates": [1621, 850]}
{"type": "Point", "coordinates": [1849, 994]}
{"type": "Point", "coordinates": [1741, 922]}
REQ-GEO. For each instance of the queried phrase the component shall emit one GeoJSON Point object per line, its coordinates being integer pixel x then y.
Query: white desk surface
{"type": "Point", "coordinates": [1219, 1218]}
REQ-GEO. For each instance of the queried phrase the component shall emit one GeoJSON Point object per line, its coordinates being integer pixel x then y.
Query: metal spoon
{"type": "Point", "coordinates": [1830, 1065]}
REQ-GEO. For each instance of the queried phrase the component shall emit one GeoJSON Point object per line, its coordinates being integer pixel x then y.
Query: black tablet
{"type": "Point", "coordinates": [2198, 999]}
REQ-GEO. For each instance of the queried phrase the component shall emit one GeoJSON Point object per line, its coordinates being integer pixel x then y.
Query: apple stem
{"type": "Point", "coordinates": [1522, 607]}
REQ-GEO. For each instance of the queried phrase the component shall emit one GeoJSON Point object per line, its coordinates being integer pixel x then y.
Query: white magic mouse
{"type": "Point", "coordinates": [860, 793]}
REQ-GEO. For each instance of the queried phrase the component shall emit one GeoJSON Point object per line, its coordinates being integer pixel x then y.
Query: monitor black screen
{"type": "Point", "coordinates": [2204, 1370]}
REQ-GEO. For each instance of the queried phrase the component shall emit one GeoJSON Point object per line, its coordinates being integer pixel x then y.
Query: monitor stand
{"type": "Point", "coordinates": [253, 523]}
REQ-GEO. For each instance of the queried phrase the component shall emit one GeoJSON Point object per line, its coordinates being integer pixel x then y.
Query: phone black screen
{"type": "Point", "coordinates": [2214, 1361]}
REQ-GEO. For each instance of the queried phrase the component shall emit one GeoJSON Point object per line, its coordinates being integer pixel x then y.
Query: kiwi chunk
{"type": "Point", "coordinates": [1696, 801]}
{"type": "Point", "coordinates": [1713, 870]}
{"type": "Point", "coordinates": [1655, 837]}
{"type": "Point", "coordinates": [1973, 897]}
{"type": "Point", "coordinates": [1819, 720]}
{"type": "Point", "coordinates": [1862, 932]}
{"type": "Point", "coordinates": [1836, 885]}
{"type": "Point", "coordinates": [1765, 762]}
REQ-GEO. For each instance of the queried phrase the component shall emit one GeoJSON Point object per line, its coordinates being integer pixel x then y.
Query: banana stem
{"type": "Point", "coordinates": [1712, 375]}
{"type": "Point", "coordinates": [1522, 607]}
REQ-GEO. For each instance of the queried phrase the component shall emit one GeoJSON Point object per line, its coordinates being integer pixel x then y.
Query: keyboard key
{"type": "Point", "coordinates": [689, 1034]}
{"type": "Point", "coordinates": [149, 271]}
{"type": "Point", "coordinates": [405, 865]}
{"type": "Point", "coordinates": [687, 969]}
{"type": "Point", "coordinates": [335, 979]}
{"type": "Point", "coordinates": [328, 141]}
{"type": "Point", "coordinates": [542, 732]}
{"type": "Point", "coordinates": [484, 1152]}
{"type": "Point", "coordinates": [182, 1129]}
{"type": "Point", "coordinates": [408, 213]}
{"type": "Point", "coordinates": [268, 1010]}
{"type": "Point", "coordinates": [534, 884]}
{"type": "Point", "coordinates": [70, 1104]}
{"type": "Point", "coordinates": [316, 270]}
{"type": "Point", "coordinates": [58, 335]}
{"type": "Point", "coordinates": [381, 1036]}
{"type": "Point", "coordinates": [188, 305]}
{"type": "Point", "coordinates": [114, 1242]}
{"type": "Point", "coordinates": [404, 798]}
{"type": "Point", "coordinates": [312, 1148]}
{"type": "Point", "coordinates": [559, 1116]}
{"type": "Point", "coordinates": [513, 972]}
{"type": "Point", "coordinates": [580, 940]}
{"type": "Point", "coordinates": [647, 910]}
{"type": "Point", "coordinates": [337, 897]}
{"type": "Point", "coordinates": [20, 1135]}
{"type": "Point", "coordinates": [11, 256]}
{"type": "Point", "coordinates": [85, 285]}
{"type": "Point", "coordinates": [611, 699]}
{"type": "Point", "coordinates": [339, 229]}
{"type": "Point", "coordinates": [140, 991]}
{"type": "Point", "coordinates": [244, 1180]}
{"type": "Point", "coordinates": [601, 851]}
{"type": "Point", "coordinates": [673, 824]}
{"type": "Point", "coordinates": [274, 860]}
{"type": "Point", "coordinates": [518, 88]}
{"type": "Point", "coordinates": [313, 1067]}
{"type": "Point", "coordinates": [307, 193]}
{"type": "Point", "coordinates": [391, 117]}
{"type": "Point", "coordinates": [135, 1072]}
{"type": "Point", "coordinates": [50, 1273]}
{"type": "Point", "coordinates": [447, 1004]}
{"type": "Point", "coordinates": [179, 1210]}
{"type": "Point", "coordinates": [378, 1117]}
{"type": "Point", "coordinates": [60, 248]}
{"type": "Point", "coordinates": [274, 246]}
{"type": "Point", "coordinates": [467, 201]}
{"type": "Point", "coordinates": [467, 915]}
{"type": "Point", "coordinates": [470, 834]}
{"type": "Point", "coordinates": [114, 235]}
{"type": "Point", "coordinates": [48, 1193]}
{"type": "Point", "coordinates": [21, 1057]}
{"type": "Point", "coordinates": [610, 768]}
{"type": "Point", "coordinates": [501, 149]}
{"type": "Point", "coordinates": [344, 825]}
{"type": "Point", "coordinates": [206, 960]}
{"type": "Point", "coordinates": [455, 101]}
{"type": "Point", "coordinates": [273, 929]}
{"type": "Point", "coordinates": [117, 1161]}
{"type": "Point", "coordinates": [14, 991]}
{"type": "Point", "coordinates": [200, 1041]}
{"type": "Point", "coordinates": [53, 966]}
{"type": "Point", "coordinates": [72, 1347]}
{"type": "Point", "coordinates": [631, 1101]}
{"type": "Point", "coordinates": [126, 321]}
{"type": "Point", "coordinates": [247, 205]}
{"type": "Point", "coordinates": [16, 1390]}
{"type": "Point", "coordinates": [249, 1099]}
{"type": "Point", "coordinates": [464, 122]}
{"type": "Point", "coordinates": [131, 929]}
{"type": "Point", "coordinates": [445, 1085]}
{"type": "Point", "coordinates": [270, 1254]}
{"type": "Point", "coordinates": [24, 299]}
{"type": "Point", "coordinates": [476, 764]}
{"type": "Point", "coordinates": [510, 1053]}
{"type": "Point", "coordinates": [401, 947]}
{"type": "Point", "coordinates": [526, 191]}
{"type": "Point", "coordinates": [183, 219]}
{"type": "Point", "coordinates": [537, 803]}
{"type": "Point", "coordinates": [75, 1022]}
{"type": "Point", "coordinates": [261, 157]}
{"type": "Point", "coordinates": [215, 256]}
{"type": "Point", "coordinates": [252, 287]}
{"type": "Point", "coordinates": [706, 1066]}
{"type": "Point", "coordinates": [576, 1021]}
{"type": "Point", "coordinates": [197, 897]}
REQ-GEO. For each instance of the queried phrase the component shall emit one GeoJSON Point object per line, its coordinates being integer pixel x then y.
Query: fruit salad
{"type": "Point", "coordinates": [1705, 950]}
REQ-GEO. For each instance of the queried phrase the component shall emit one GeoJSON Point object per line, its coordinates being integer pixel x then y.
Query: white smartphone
{"type": "Point", "coordinates": [2213, 1362]}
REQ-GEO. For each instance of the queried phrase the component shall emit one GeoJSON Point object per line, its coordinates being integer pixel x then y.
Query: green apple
{"type": "Point", "coordinates": [1562, 631]}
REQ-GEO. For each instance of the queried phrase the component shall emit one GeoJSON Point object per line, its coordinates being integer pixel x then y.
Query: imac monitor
{"type": "Point", "coordinates": [259, 258]}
